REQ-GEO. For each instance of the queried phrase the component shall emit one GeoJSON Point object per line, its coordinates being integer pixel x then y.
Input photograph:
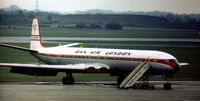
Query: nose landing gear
{"type": "Point", "coordinates": [167, 86]}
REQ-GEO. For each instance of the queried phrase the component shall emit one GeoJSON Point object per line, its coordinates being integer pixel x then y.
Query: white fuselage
{"type": "Point", "coordinates": [115, 60]}
{"type": "Point", "coordinates": [119, 60]}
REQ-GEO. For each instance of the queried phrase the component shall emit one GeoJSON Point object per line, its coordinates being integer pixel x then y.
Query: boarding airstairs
{"type": "Point", "coordinates": [136, 74]}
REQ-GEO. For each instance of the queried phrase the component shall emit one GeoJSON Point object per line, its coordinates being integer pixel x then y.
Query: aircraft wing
{"type": "Point", "coordinates": [71, 44]}
{"type": "Point", "coordinates": [27, 49]}
{"type": "Point", "coordinates": [89, 67]}
{"type": "Point", "coordinates": [17, 47]}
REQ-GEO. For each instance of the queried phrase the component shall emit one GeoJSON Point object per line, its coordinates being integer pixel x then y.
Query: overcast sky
{"type": "Point", "coordinates": [175, 6]}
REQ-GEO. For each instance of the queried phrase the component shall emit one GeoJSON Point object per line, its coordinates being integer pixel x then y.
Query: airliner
{"type": "Point", "coordinates": [70, 59]}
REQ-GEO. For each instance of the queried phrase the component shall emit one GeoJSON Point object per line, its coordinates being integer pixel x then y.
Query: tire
{"type": "Point", "coordinates": [167, 86]}
{"type": "Point", "coordinates": [68, 81]}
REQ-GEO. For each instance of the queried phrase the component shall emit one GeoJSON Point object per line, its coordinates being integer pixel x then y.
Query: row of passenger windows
{"type": "Point", "coordinates": [117, 58]}
{"type": "Point", "coordinates": [107, 58]}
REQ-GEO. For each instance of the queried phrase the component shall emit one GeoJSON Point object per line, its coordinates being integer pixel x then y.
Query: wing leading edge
{"type": "Point", "coordinates": [17, 47]}
{"type": "Point", "coordinates": [90, 67]}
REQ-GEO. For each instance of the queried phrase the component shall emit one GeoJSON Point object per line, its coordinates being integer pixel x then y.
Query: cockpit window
{"type": "Point", "coordinates": [172, 60]}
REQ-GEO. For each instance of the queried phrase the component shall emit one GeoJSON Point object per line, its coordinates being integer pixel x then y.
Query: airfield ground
{"type": "Point", "coordinates": [15, 87]}
{"type": "Point", "coordinates": [97, 91]}
{"type": "Point", "coordinates": [184, 54]}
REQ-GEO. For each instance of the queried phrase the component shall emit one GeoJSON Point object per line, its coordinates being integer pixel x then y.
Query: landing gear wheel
{"type": "Point", "coordinates": [68, 81]}
{"type": "Point", "coordinates": [167, 86]}
{"type": "Point", "coordinates": [152, 87]}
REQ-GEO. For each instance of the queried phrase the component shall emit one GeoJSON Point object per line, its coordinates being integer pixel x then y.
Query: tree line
{"type": "Point", "coordinates": [109, 21]}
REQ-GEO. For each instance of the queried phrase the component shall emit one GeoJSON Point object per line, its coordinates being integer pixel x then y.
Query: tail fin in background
{"type": "Point", "coordinates": [35, 36]}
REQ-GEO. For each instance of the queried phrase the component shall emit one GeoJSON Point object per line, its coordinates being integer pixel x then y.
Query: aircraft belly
{"type": "Point", "coordinates": [158, 69]}
{"type": "Point", "coordinates": [111, 63]}
{"type": "Point", "coordinates": [116, 66]}
{"type": "Point", "coordinates": [123, 66]}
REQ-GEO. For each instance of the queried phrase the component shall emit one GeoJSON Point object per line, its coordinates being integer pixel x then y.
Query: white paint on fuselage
{"type": "Point", "coordinates": [115, 65]}
{"type": "Point", "coordinates": [59, 50]}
